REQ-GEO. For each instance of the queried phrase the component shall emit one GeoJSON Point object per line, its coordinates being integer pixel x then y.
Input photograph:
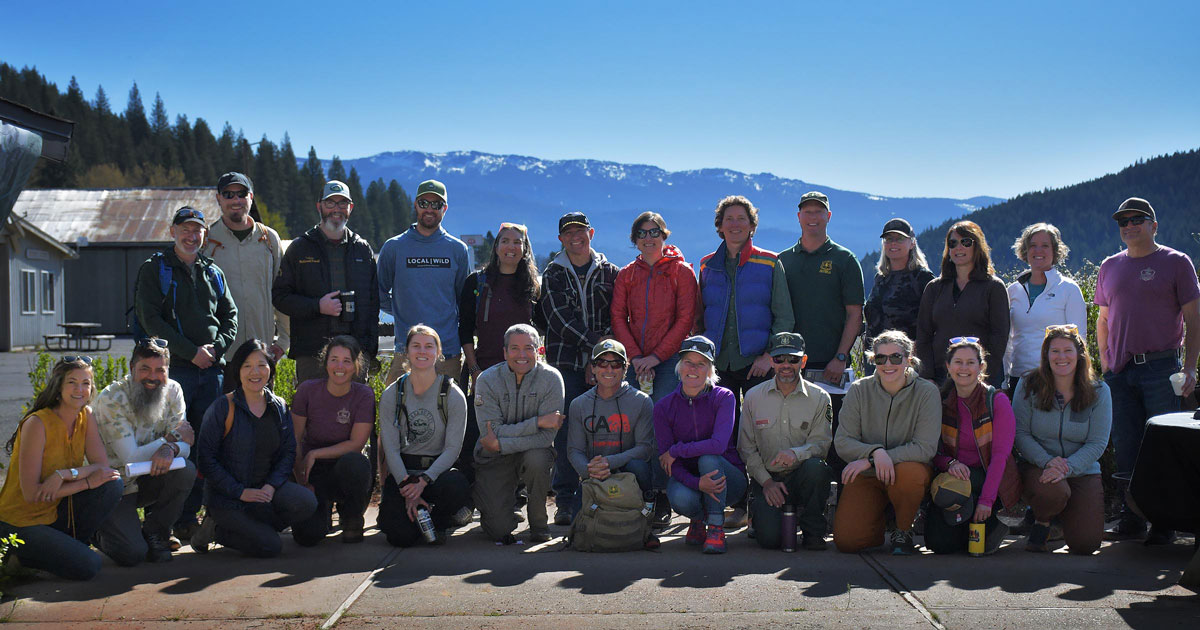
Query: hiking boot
{"type": "Point", "coordinates": [901, 542]}
{"type": "Point", "coordinates": [736, 519]}
{"type": "Point", "coordinates": [814, 542]}
{"type": "Point", "coordinates": [695, 533]}
{"type": "Point", "coordinates": [463, 516]}
{"type": "Point", "coordinates": [662, 512]}
{"type": "Point", "coordinates": [563, 517]}
{"type": "Point", "coordinates": [994, 537]}
{"type": "Point", "coordinates": [1160, 536]}
{"type": "Point", "coordinates": [714, 542]}
{"type": "Point", "coordinates": [185, 531]}
{"type": "Point", "coordinates": [1038, 534]}
{"type": "Point", "coordinates": [203, 537]}
{"type": "Point", "coordinates": [507, 539]}
{"type": "Point", "coordinates": [539, 535]}
{"type": "Point", "coordinates": [1130, 526]}
{"type": "Point", "coordinates": [174, 543]}
{"type": "Point", "coordinates": [352, 529]}
{"type": "Point", "coordinates": [158, 549]}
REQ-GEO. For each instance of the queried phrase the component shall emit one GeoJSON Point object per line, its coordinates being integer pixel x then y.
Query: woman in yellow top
{"type": "Point", "coordinates": [48, 466]}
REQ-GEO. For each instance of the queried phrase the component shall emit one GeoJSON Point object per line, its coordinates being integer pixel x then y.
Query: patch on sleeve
{"type": "Point", "coordinates": [829, 414]}
{"type": "Point", "coordinates": [479, 401]}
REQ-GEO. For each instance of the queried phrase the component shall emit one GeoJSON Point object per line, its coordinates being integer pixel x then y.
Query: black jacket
{"type": "Point", "coordinates": [304, 277]}
{"type": "Point", "coordinates": [226, 460]}
{"type": "Point", "coordinates": [193, 313]}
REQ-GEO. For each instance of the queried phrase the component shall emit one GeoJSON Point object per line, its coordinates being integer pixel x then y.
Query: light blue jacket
{"type": "Point", "coordinates": [1078, 436]}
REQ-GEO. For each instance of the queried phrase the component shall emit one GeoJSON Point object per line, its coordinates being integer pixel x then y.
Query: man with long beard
{"type": "Point", "coordinates": [142, 418]}
{"type": "Point", "coordinates": [326, 285]}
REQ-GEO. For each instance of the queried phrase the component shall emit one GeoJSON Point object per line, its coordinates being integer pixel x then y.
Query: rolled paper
{"type": "Point", "coordinates": [137, 469]}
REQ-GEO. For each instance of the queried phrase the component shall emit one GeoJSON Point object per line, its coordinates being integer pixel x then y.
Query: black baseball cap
{"type": "Point", "coordinates": [953, 495]}
{"type": "Point", "coordinates": [188, 214]}
{"type": "Point", "coordinates": [234, 177]}
{"type": "Point", "coordinates": [899, 226]}
{"type": "Point", "coordinates": [1135, 204]}
{"type": "Point", "coordinates": [573, 218]}
{"type": "Point", "coordinates": [701, 346]}
{"type": "Point", "coordinates": [786, 343]}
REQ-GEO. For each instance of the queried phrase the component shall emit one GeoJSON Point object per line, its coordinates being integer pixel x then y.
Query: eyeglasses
{"type": "Point", "coordinates": [426, 204]}
{"type": "Point", "coordinates": [155, 341]}
{"type": "Point", "coordinates": [895, 358]}
{"type": "Point", "coordinates": [1070, 329]}
{"type": "Point", "coordinates": [73, 358]}
{"type": "Point", "coordinates": [652, 233]}
{"type": "Point", "coordinates": [331, 204]}
{"type": "Point", "coordinates": [609, 363]}
{"type": "Point", "coordinates": [966, 241]}
{"type": "Point", "coordinates": [954, 340]}
{"type": "Point", "coordinates": [230, 194]}
{"type": "Point", "coordinates": [790, 359]}
{"type": "Point", "coordinates": [1124, 221]}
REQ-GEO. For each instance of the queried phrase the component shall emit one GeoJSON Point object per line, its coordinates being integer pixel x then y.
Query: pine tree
{"type": "Point", "coordinates": [336, 170]}
{"type": "Point", "coordinates": [401, 207]}
{"type": "Point", "coordinates": [101, 102]}
{"type": "Point", "coordinates": [135, 118]}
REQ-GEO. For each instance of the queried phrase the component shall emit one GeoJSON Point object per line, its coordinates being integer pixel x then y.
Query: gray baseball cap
{"type": "Point", "coordinates": [334, 187]}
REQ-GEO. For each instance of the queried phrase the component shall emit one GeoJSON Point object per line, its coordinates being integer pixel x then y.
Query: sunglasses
{"type": "Point", "coordinates": [790, 359]}
{"type": "Point", "coordinates": [966, 241]}
{"type": "Point", "coordinates": [510, 226]}
{"type": "Point", "coordinates": [1124, 221]}
{"type": "Point", "coordinates": [609, 363]}
{"type": "Point", "coordinates": [73, 358]}
{"type": "Point", "coordinates": [895, 358]}
{"type": "Point", "coordinates": [190, 213]}
{"type": "Point", "coordinates": [954, 340]}
{"type": "Point", "coordinates": [230, 194]}
{"type": "Point", "coordinates": [145, 343]}
{"type": "Point", "coordinates": [1070, 329]}
{"type": "Point", "coordinates": [426, 204]}
{"type": "Point", "coordinates": [331, 204]}
{"type": "Point", "coordinates": [652, 233]}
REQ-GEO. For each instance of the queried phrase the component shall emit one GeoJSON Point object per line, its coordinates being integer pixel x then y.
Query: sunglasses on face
{"type": "Point", "coordinates": [426, 204]}
{"type": "Point", "coordinates": [894, 358]}
{"type": "Point", "coordinates": [144, 343]}
{"type": "Point", "coordinates": [73, 358]}
{"type": "Point", "coordinates": [609, 363]}
{"type": "Point", "coordinates": [331, 204]}
{"type": "Point", "coordinates": [966, 241]}
{"type": "Point", "coordinates": [652, 233]}
{"type": "Point", "coordinates": [230, 194]}
{"type": "Point", "coordinates": [955, 340]}
{"type": "Point", "coordinates": [1124, 221]}
{"type": "Point", "coordinates": [790, 359]}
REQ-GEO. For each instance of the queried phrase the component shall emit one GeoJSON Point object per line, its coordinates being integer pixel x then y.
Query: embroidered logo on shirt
{"type": "Point", "coordinates": [1147, 274]}
{"type": "Point", "coordinates": [826, 267]}
{"type": "Point", "coordinates": [343, 416]}
{"type": "Point", "coordinates": [427, 262]}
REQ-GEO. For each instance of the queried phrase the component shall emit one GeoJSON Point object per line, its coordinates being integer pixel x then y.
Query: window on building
{"type": "Point", "coordinates": [28, 292]}
{"type": "Point", "coordinates": [47, 292]}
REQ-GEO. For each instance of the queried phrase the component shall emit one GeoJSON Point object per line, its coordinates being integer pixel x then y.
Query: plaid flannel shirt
{"type": "Point", "coordinates": [576, 316]}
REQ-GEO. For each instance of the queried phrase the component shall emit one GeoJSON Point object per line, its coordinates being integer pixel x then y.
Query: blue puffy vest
{"type": "Point", "coordinates": [754, 282]}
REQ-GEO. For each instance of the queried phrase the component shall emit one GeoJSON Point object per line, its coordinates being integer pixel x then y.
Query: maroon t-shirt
{"type": "Point", "coordinates": [329, 417]}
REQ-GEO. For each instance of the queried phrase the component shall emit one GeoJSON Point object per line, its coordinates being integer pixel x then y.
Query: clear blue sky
{"type": "Point", "coordinates": [889, 97]}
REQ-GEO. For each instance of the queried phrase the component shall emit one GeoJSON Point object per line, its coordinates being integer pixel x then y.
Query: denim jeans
{"type": "Point", "coordinates": [200, 389]}
{"type": "Point", "coordinates": [565, 482]}
{"type": "Point", "coordinates": [62, 547]}
{"type": "Point", "coordinates": [1139, 392]}
{"type": "Point", "coordinates": [697, 505]}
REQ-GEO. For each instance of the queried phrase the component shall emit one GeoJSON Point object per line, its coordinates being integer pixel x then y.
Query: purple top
{"type": "Point", "coordinates": [329, 418]}
{"type": "Point", "coordinates": [689, 428]}
{"type": "Point", "coordinates": [1004, 433]}
{"type": "Point", "coordinates": [1145, 298]}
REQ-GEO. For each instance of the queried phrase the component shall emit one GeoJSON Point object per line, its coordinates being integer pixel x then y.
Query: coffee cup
{"type": "Point", "coordinates": [1177, 381]}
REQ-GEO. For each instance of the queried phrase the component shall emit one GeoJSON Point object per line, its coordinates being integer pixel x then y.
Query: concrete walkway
{"type": "Point", "coordinates": [472, 583]}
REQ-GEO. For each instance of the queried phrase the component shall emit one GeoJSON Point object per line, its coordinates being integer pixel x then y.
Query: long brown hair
{"type": "Point", "coordinates": [980, 353]}
{"type": "Point", "coordinates": [527, 274]}
{"type": "Point", "coordinates": [983, 254]}
{"type": "Point", "coordinates": [1040, 382]}
{"type": "Point", "coordinates": [51, 395]}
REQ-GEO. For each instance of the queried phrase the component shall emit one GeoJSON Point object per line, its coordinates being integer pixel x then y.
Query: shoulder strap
{"type": "Point", "coordinates": [445, 389]}
{"type": "Point", "coordinates": [216, 277]}
{"type": "Point", "coordinates": [229, 414]}
{"type": "Point", "coordinates": [165, 278]}
{"type": "Point", "coordinates": [400, 397]}
{"type": "Point", "coordinates": [991, 402]}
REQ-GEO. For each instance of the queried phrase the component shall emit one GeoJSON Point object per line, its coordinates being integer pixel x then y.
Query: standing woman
{"type": "Point", "coordinates": [1064, 414]}
{"type": "Point", "coordinates": [422, 420]}
{"type": "Point", "coordinates": [47, 467]}
{"type": "Point", "coordinates": [1040, 297]}
{"type": "Point", "coordinates": [654, 301]}
{"type": "Point", "coordinates": [900, 279]}
{"type": "Point", "coordinates": [333, 417]}
{"type": "Point", "coordinates": [246, 450]}
{"type": "Point", "coordinates": [967, 300]}
{"type": "Point", "coordinates": [976, 446]}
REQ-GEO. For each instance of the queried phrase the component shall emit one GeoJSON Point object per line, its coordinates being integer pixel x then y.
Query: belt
{"type": "Point", "coordinates": [417, 462]}
{"type": "Point", "coordinates": [1139, 359]}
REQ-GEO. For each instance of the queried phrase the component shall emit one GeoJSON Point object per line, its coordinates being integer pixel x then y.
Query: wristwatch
{"type": "Point", "coordinates": [871, 455]}
{"type": "Point", "coordinates": [841, 356]}
{"type": "Point", "coordinates": [425, 478]}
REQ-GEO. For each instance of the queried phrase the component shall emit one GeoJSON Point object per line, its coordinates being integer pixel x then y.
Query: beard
{"type": "Point", "coordinates": [147, 403]}
{"type": "Point", "coordinates": [333, 224]}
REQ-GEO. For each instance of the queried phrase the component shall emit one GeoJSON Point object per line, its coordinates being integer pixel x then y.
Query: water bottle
{"type": "Point", "coordinates": [646, 383]}
{"type": "Point", "coordinates": [975, 539]}
{"type": "Point", "coordinates": [426, 523]}
{"type": "Point", "coordinates": [787, 537]}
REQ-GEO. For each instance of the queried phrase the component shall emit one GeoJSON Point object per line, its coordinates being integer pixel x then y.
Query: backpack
{"type": "Point", "coordinates": [168, 286]}
{"type": "Point", "coordinates": [613, 517]}
{"type": "Point", "coordinates": [401, 409]}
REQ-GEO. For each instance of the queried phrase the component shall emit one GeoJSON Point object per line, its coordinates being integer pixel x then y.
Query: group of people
{"type": "Point", "coordinates": [725, 390]}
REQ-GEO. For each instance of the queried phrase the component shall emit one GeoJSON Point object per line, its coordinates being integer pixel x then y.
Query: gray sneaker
{"type": "Point", "coordinates": [901, 542]}
{"type": "Point", "coordinates": [203, 537]}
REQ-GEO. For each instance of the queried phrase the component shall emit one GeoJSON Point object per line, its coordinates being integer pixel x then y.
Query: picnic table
{"type": "Point", "coordinates": [78, 336]}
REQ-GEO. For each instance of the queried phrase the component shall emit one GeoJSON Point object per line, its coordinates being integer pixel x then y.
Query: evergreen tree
{"type": "Point", "coordinates": [314, 175]}
{"type": "Point", "coordinates": [401, 207]}
{"type": "Point", "coordinates": [336, 170]}
{"type": "Point", "coordinates": [205, 148]}
{"type": "Point", "coordinates": [102, 105]}
{"type": "Point", "coordinates": [135, 118]}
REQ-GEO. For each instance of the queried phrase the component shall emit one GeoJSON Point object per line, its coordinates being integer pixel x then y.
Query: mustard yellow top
{"type": "Point", "coordinates": [59, 453]}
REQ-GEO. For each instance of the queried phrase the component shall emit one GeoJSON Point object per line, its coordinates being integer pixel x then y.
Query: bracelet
{"type": "Point", "coordinates": [951, 464]}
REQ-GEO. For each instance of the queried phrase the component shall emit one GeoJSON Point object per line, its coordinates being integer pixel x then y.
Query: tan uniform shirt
{"type": "Point", "coordinates": [802, 421]}
{"type": "Point", "coordinates": [250, 268]}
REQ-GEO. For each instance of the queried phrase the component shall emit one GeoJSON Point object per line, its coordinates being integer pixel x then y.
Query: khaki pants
{"type": "Point", "coordinates": [859, 522]}
{"type": "Point", "coordinates": [1077, 501]}
{"type": "Point", "coordinates": [449, 366]}
{"type": "Point", "coordinates": [496, 486]}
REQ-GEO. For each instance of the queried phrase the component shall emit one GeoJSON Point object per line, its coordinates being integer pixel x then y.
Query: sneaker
{"type": "Point", "coordinates": [463, 516]}
{"type": "Point", "coordinates": [352, 530]}
{"type": "Point", "coordinates": [1160, 536]}
{"type": "Point", "coordinates": [901, 542]}
{"type": "Point", "coordinates": [517, 514]}
{"type": "Point", "coordinates": [695, 534]}
{"type": "Point", "coordinates": [203, 536]}
{"type": "Point", "coordinates": [185, 531]}
{"type": "Point", "coordinates": [539, 535]}
{"type": "Point", "coordinates": [714, 542]}
{"type": "Point", "coordinates": [736, 519]}
{"type": "Point", "coordinates": [1038, 534]}
{"type": "Point", "coordinates": [174, 543]}
{"type": "Point", "coordinates": [814, 542]}
{"type": "Point", "coordinates": [653, 543]}
{"type": "Point", "coordinates": [563, 517]}
{"type": "Point", "coordinates": [158, 549]}
{"type": "Point", "coordinates": [507, 539]}
{"type": "Point", "coordinates": [751, 533]}
{"type": "Point", "coordinates": [662, 512]}
{"type": "Point", "coordinates": [994, 537]}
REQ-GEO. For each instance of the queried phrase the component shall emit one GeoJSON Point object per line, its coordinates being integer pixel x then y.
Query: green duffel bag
{"type": "Point", "coordinates": [613, 516]}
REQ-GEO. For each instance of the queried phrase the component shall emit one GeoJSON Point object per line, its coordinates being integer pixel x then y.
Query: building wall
{"type": "Point", "coordinates": [100, 283]}
{"type": "Point", "coordinates": [46, 266]}
{"type": "Point", "coordinates": [5, 302]}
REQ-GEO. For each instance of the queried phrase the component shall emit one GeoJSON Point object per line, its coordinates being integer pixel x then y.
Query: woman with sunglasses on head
{"type": "Point", "coordinates": [1063, 414]}
{"type": "Point", "coordinates": [888, 433]}
{"type": "Point", "coordinates": [976, 446]}
{"type": "Point", "coordinates": [968, 299]}
{"type": "Point", "coordinates": [1040, 297]}
{"type": "Point", "coordinates": [900, 279]}
{"type": "Point", "coordinates": [246, 450]}
{"type": "Point", "coordinates": [51, 500]}
{"type": "Point", "coordinates": [333, 417]}
{"type": "Point", "coordinates": [654, 302]}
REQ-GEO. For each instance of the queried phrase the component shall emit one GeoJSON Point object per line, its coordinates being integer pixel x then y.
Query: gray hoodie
{"type": "Point", "coordinates": [513, 409]}
{"type": "Point", "coordinates": [620, 428]}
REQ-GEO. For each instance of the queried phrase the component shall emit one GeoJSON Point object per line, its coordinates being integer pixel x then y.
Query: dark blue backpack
{"type": "Point", "coordinates": [168, 286]}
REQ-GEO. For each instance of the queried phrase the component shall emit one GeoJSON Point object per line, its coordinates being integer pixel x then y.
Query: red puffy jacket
{"type": "Point", "coordinates": [653, 308]}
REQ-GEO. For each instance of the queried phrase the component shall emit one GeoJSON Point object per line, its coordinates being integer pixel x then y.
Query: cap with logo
{"type": "Point", "coordinates": [188, 214]}
{"type": "Point", "coordinates": [953, 495]}
{"type": "Point", "coordinates": [334, 187]}
{"type": "Point", "coordinates": [701, 346]}
{"type": "Point", "coordinates": [899, 226]}
{"type": "Point", "coordinates": [813, 195]}
{"type": "Point", "coordinates": [1135, 204]}
{"type": "Point", "coordinates": [786, 343]}
{"type": "Point", "coordinates": [572, 218]}
{"type": "Point", "coordinates": [432, 186]}
{"type": "Point", "coordinates": [609, 345]}
{"type": "Point", "coordinates": [234, 177]}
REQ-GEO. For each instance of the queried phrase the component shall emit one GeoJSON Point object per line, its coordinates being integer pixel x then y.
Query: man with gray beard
{"type": "Point", "coordinates": [142, 418]}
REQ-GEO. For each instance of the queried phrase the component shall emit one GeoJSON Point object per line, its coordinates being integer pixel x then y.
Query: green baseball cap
{"type": "Point", "coordinates": [334, 187]}
{"type": "Point", "coordinates": [609, 345]}
{"type": "Point", "coordinates": [786, 343]}
{"type": "Point", "coordinates": [814, 196]}
{"type": "Point", "coordinates": [432, 186]}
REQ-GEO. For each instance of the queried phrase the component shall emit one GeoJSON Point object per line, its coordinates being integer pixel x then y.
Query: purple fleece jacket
{"type": "Point", "coordinates": [689, 428]}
